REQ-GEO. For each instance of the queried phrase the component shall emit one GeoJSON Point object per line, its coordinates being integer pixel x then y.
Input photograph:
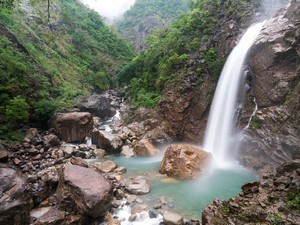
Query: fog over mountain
{"type": "Point", "coordinates": [109, 9]}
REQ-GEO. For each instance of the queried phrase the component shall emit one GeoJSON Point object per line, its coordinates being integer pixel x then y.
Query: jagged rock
{"type": "Point", "coordinates": [99, 153]}
{"type": "Point", "coordinates": [3, 156]}
{"type": "Point", "coordinates": [47, 215]}
{"type": "Point", "coordinates": [52, 140]}
{"type": "Point", "coordinates": [85, 191]}
{"type": "Point", "coordinates": [145, 148]}
{"type": "Point", "coordinates": [127, 151]}
{"type": "Point", "coordinates": [33, 136]}
{"type": "Point", "coordinates": [97, 105]}
{"type": "Point", "coordinates": [137, 185]}
{"type": "Point", "coordinates": [273, 136]}
{"type": "Point", "coordinates": [108, 142]}
{"type": "Point", "coordinates": [72, 127]}
{"type": "Point", "coordinates": [67, 149]}
{"type": "Point", "coordinates": [15, 201]}
{"type": "Point", "coordinates": [184, 161]}
{"type": "Point", "coordinates": [171, 218]}
{"type": "Point", "coordinates": [79, 162]}
{"type": "Point", "coordinates": [260, 203]}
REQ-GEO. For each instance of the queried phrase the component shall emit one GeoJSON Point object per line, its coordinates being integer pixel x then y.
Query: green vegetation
{"type": "Point", "coordinates": [45, 65]}
{"type": "Point", "coordinates": [147, 15]}
{"type": "Point", "coordinates": [294, 199]}
{"type": "Point", "coordinates": [225, 209]}
{"type": "Point", "coordinates": [255, 122]}
{"type": "Point", "coordinates": [277, 220]}
{"type": "Point", "coordinates": [186, 45]}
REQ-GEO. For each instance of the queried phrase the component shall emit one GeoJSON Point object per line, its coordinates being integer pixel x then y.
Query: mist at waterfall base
{"type": "Point", "coordinates": [222, 137]}
{"type": "Point", "coordinates": [224, 178]}
{"type": "Point", "coordinates": [190, 197]}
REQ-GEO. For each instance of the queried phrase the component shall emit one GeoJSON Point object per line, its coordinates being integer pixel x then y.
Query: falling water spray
{"type": "Point", "coordinates": [220, 137]}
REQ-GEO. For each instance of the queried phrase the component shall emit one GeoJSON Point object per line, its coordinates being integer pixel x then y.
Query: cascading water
{"type": "Point", "coordinates": [219, 135]}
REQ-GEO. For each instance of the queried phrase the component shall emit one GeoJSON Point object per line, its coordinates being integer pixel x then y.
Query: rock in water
{"type": "Point", "coordinates": [84, 190]}
{"type": "Point", "coordinates": [137, 185]}
{"type": "Point", "coordinates": [72, 127]}
{"type": "Point", "coordinates": [184, 161]}
{"type": "Point", "coordinates": [15, 201]}
{"type": "Point", "coordinates": [171, 218]}
{"type": "Point", "coordinates": [145, 148]}
{"type": "Point", "coordinates": [108, 142]}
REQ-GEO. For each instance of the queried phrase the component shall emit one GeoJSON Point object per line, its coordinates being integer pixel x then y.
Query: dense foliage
{"type": "Point", "coordinates": [147, 15]}
{"type": "Point", "coordinates": [46, 65]}
{"type": "Point", "coordinates": [187, 42]}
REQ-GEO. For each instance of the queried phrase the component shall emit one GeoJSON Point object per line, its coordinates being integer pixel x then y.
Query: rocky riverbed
{"type": "Point", "coordinates": [46, 180]}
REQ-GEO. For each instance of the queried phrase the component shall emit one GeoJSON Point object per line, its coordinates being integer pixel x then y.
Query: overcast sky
{"type": "Point", "coordinates": [109, 8]}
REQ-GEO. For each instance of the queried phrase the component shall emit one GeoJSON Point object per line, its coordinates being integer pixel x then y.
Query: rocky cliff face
{"type": "Point", "coordinates": [273, 136]}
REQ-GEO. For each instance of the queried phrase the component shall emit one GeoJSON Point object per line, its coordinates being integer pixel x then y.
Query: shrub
{"type": "Point", "coordinates": [17, 110]}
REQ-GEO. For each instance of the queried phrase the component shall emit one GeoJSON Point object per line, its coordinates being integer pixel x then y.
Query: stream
{"type": "Point", "coordinates": [187, 198]}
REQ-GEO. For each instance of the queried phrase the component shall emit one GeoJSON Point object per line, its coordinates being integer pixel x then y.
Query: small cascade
{"type": "Point", "coordinates": [220, 137]}
{"type": "Point", "coordinates": [252, 115]}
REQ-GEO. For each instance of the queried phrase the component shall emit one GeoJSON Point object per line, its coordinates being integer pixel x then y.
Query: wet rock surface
{"type": "Point", "coordinates": [271, 200]}
{"type": "Point", "coordinates": [273, 136]}
{"type": "Point", "coordinates": [183, 161]}
{"type": "Point", "coordinates": [137, 185]}
{"type": "Point", "coordinates": [145, 148]}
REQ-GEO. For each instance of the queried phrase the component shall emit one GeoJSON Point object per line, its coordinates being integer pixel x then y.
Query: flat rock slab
{"type": "Point", "coordinates": [84, 190]}
{"type": "Point", "coordinates": [171, 218]}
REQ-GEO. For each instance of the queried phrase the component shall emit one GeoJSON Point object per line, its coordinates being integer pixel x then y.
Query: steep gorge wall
{"type": "Point", "coordinates": [274, 134]}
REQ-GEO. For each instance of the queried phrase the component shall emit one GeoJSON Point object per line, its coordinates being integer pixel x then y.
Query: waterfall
{"type": "Point", "coordinates": [219, 135]}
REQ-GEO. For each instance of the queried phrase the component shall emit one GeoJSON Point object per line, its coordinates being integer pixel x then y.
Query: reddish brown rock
{"type": "Point", "coordinates": [85, 191]}
{"type": "Point", "coordinates": [108, 142]}
{"type": "Point", "coordinates": [273, 136]}
{"type": "Point", "coordinates": [51, 139]}
{"type": "Point", "coordinates": [47, 215]}
{"type": "Point", "coordinates": [145, 148]}
{"type": "Point", "coordinates": [184, 161]}
{"type": "Point", "coordinates": [72, 127]}
{"type": "Point", "coordinates": [79, 162]}
{"type": "Point", "coordinates": [15, 201]}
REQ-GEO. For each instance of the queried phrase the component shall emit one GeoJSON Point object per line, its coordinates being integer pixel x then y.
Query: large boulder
{"type": "Point", "coordinates": [85, 191]}
{"type": "Point", "coordinates": [107, 141]}
{"type": "Point", "coordinates": [273, 136]}
{"type": "Point", "coordinates": [184, 161]}
{"type": "Point", "coordinates": [97, 105]}
{"type": "Point", "coordinates": [15, 201]}
{"type": "Point", "coordinates": [73, 127]}
{"type": "Point", "coordinates": [145, 148]}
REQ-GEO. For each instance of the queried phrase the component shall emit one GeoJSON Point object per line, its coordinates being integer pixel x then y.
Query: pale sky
{"type": "Point", "coordinates": [109, 8]}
